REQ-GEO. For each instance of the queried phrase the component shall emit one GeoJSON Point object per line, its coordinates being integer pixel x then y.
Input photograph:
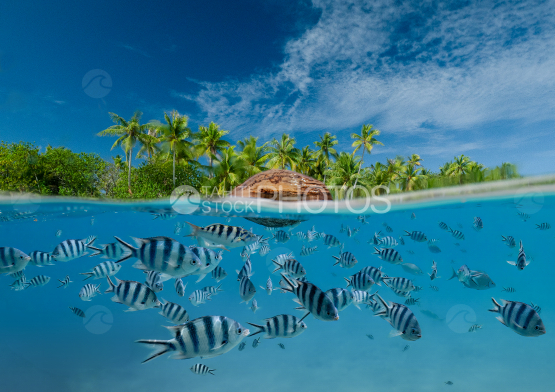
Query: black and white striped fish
{"type": "Point", "coordinates": [246, 289]}
{"type": "Point", "coordinates": [102, 270]}
{"type": "Point", "coordinates": [154, 281]}
{"type": "Point", "coordinates": [269, 286]}
{"type": "Point", "coordinates": [509, 289]}
{"type": "Point", "coordinates": [281, 345]}
{"type": "Point", "coordinates": [40, 259]}
{"type": "Point", "coordinates": [433, 275]}
{"type": "Point", "coordinates": [18, 275]}
{"type": "Point", "coordinates": [401, 318]}
{"type": "Point", "coordinates": [164, 216]}
{"type": "Point", "coordinates": [89, 291]}
{"type": "Point", "coordinates": [12, 260]}
{"type": "Point", "coordinates": [65, 282]}
{"type": "Point", "coordinates": [388, 242]}
{"type": "Point", "coordinates": [222, 235]}
{"type": "Point", "coordinates": [400, 284]}
{"type": "Point", "coordinates": [291, 267]}
{"type": "Point", "coordinates": [412, 301]}
{"type": "Point", "coordinates": [312, 235]}
{"type": "Point", "coordinates": [457, 234]}
{"type": "Point", "coordinates": [163, 254]}
{"type": "Point", "coordinates": [478, 224]}
{"type": "Point", "coordinates": [417, 289]}
{"type": "Point", "coordinates": [281, 326]}
{"type": "Point", "coordinates": [509, 241]}
{"type": "Point", "coordinates": [340, 297]}
{"type": "Point", "coordinates": [417, 236]}
{"type": "Point", "coordinates": [218, 274]}
{"type": "Point", "coordinates": [246, 271]}
{"type": "Point", "coordinates": [180, 287]}
{"type": "Point", "coordinates": [207, 337]}
{"type": "Point", "coordinates": [307, 250]}
{"type": "Point", "coordinates": [360, 281]}
{"type": "Point", "coordinates": [174, 312]}
{"type": "Point", "coordinates": [38, 281]}
{"type": "Point", "coordinates": [254, 306]}
{"type": "Point", "coordinates": [212, 290]}
{"type": "Point", "coordinates": [443, 226]}
{"type": "Point", "coordinates": [375, 240]}
{"type": "Point", "coordinates": [264, 250]}
{"type": "Point", "coordinates": [519, 317]}
{"type": "Point", "coordinates": [284, 256]}
{"type": "Point", "coordinates": [363, 219]}
{"type": "Point", "coordinates": [301, 236]}
{"type": "Point", "coordinates": [199, 297]}
{"type": "Point", "coordinates": [362, 297]}
{"type": "Point", "coordinates": [280, 236]}
{"type": "Point", "coordinates": [110, 251]}
{"type": "Point", "coordinates": [77, 311]}
{"type": "Point", "coordinates": [401, 240]}
{"type": "Point", "coordinates": [401, 293]}
{"type": "Point", "coordinates": [253, 248]}
{"type": "Point", "coordinates": [406, 348]}
{"type": "Point", "coordinates": [388, 229]}
{"type": "Point", "coordinates": [312, 299]}
{"type": "Point", "coordinates": [389, 254]}
{"type": "Point", "coordinates": [202, 370]}
{"type": "Point", "coordinates": [536, 308]}
{"type": "Point", "coordinates": [524, 216]}
{"type": "Point", "coordinates": [72, 249]}
{"type": "Point", "coordinates": [434, 288]}
{"type": "Point", "coordinates": [19, 284]}
{"type": "Point", "coordinates": [331, 241]}
{"type": "Point", "coordinates": [474, 328]}
{"type": "Point", "coordinates": [375, 273]}
{"type": "Point", "coordinates": [136, 295]}
{"type": "Point", "coordinates": [209, 259]}
{"type": "Point", "coordinates": [346, 260]}
{"type": "Point", "coordinates": [543, 226]}
{"type": "Point", "coordinates": [521, 261]}
{"type": "Point", "coordinates": [242, 346]}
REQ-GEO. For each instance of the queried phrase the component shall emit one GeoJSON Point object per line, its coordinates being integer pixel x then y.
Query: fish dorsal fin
{"type": "Point", "coordinates": [160, 238]}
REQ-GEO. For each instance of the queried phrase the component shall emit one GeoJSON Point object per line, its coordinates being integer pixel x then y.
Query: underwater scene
{"type": "Point", "coordinates": [430, 296]}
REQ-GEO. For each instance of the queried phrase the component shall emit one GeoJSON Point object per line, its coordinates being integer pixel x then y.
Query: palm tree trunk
{"type": "Point", "coordinates": [360, 167]}
{"type": "Point", "coordinates": [129, 168]}
{"type": "Point", "coordinates": [174, 167]}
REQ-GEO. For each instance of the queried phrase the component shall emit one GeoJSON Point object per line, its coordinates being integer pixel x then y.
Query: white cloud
{"type": "Point", "coordinates": [469, 67]}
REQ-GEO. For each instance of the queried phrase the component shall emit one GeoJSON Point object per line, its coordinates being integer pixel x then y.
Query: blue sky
{"type": "Point", "coordinates": [437, 78]}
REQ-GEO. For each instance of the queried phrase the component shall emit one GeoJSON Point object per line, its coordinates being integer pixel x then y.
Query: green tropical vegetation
{"type": "Point", "coordinates": [171, 155]}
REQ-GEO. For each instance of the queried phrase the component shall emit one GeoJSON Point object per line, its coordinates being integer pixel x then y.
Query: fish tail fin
{"type": "Point", "coordinates": [376, 251]}
{"type": "Point", "coordinates": [97, 251]}
{"type": "Point", "coordinates": [408, 233]}
{"type": "Point", "coordinates": [497, 306]}
{"type": "Point", "coordinates": [348, 281]}
{"type": "Point", "coordinates": [385, 307]}
{"type": "Point", "coordinates": [279, 266]}
{"type": "Point", "coordinates": [127, 246]}
{"type": "Point", "coordinates": [89, 240]}
{"type": "Point", "coordinates": [195, 229]}
{"type": "Point", "coordinates": [453, 275]}
{"type": "Point", "coordinates": [89, 275]}
{"type": "Point", "coordinates": [260, 329]}
{"type": "Point", "coordinates": [112, 287]}
{"type": "Point", "coordinates": [160, 347]}
{"type": "Point", "coordinates": [290, 287]}
{"type": "Point", "coordinates": [62, 284]}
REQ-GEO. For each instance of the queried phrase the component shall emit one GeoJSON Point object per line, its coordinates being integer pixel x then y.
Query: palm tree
{"type": "Point", "coordinates": [174, 137]}
{"type": "Point", "coordinates": [325, 149]}
{"type": "Point", "coordinates": [410, 176]}
{"type": "Point", "coordinates": [150, 145]}
{"type": "Point", "coordinates": [129, 132]}
{"type": "Point", "coordinates": [210, 141]}
{"type": "Point", "coordinates": [344, 171]}
{"type": "Point", "coordinates": [307, 160]}
{"type": "Point", "coordinates": [460, 166]}
{"type": "Point", "coordinates": [283, 153]}
{"type": "Point", "coordinates": [378, 176]}
{"type": "Point", "coordinates": [228, 171]}
{"type": "Point", "coordinates": [253, 156]}
{"type": "Point", "coordinates": [366, 140]}
{"type": "Point", "coordinates": [394, 167]}
{"type": "Point", "coordinates": [414, 159]}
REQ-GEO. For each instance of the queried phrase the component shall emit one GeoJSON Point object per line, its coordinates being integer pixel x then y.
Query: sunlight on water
{"type": "Point", "coordinates": [44, 346]}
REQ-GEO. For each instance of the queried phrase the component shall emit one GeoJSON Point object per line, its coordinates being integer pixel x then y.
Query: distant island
{"type": "Point", "coordinates": [170, 155]}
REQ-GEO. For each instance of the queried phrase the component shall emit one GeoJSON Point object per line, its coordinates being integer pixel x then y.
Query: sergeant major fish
{"type": "Point", "coordinates": [38, 281]}
{"type": "Point", "coordinates": [135, 295]}
{"type": "Point", "coordinates": [200, 369]}
{"type": "Point", "coordinates": [360, 281]}
{"type": "Point", "coordinates": [209, 260]}
{"type": "Point", "coordinates": [331, 241]}
{"type": "Point", "coordinates": [223, 235]}
{"type": "Point", "coordinates": [40, 259]}
{"type": "Point", "coordinates": [65, 282]}
{"type": "Point", "coordinates": [154, 281]}
{"type": "Point", "coordinates": [519, 317]}
{"type": "Point", "coordinates": [72, 249]}
{"type": "Point", "coordinates": [388, 254]}
{"type": "Point", "coordinates": [269, 286]}
{"type": "Point", "coordinates": [254, 306]}
{"type": "Point", "coordinates": [400, 284]}
{"type": "Point", "coordinates": [521, 261]}
{"type": "Point", "coordinates": [281, 326]}
{"type": "Point", "coordinates": [180, 287]}
{"type": "Point", "coordinates": [509, 241]}
{"type": "Point", "coordinates": [110, 251]}
{"type": "Point", "coordinates": [291, 267]}
{"type": "Point", "coordinates": [346, 260]}
{"type": "Point", "coordinates": [206, 337]}
{"type": "Point", "coordinates": [246, 289]}
{"type": "Point", "coordinates": [341, 298]}
{"type": "Point", "coordinates": [280, 236]}
{"type": "Point", "coordinates": [102, 270]}
{"type": "Point", "coordinates": [174, 312]}
{"type": "Point", "coordinates": [199, 297]}
{"type": "Point", "coordinates": [218, 274]}
{"type": "Point", "coordinates": [417, 236]}
{"type": "Point", "coordinates": [401, 318]}
{"type": "Point", "coordinates": [89, 291]}
{"type": "Point", "coordinates": [12, 260]}
{"type": "Point", "coordinates": [312, 299]}
{"type": "Point", "coordinates": [307, 251]}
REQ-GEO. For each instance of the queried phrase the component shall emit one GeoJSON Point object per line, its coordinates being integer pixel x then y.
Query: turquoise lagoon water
{"type": "Point", "coordinates": [45, 347]}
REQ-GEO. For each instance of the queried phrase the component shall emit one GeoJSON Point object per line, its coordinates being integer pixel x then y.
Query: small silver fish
{"type": "Point", "coordinates": [254, 306]}
{"type": "Point", "coordinates": [180, 287]}
{"type": "Point", "coordinates": [269, 286]}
